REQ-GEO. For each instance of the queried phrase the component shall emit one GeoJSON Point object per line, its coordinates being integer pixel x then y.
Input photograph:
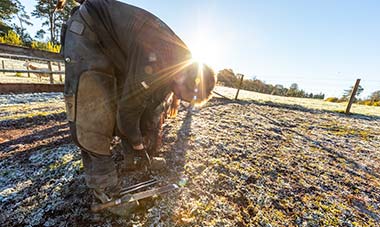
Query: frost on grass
{"type": "Point", "coordinates": [238, 164]}
{"type": "Point", "coordinates": [18, 106]}
{"type": "Point", "coordinates": [12, 99]}
{"type": "Point", "coordinates": [258, 165]}
{"type": "Point", "coordinates": [30, 190]}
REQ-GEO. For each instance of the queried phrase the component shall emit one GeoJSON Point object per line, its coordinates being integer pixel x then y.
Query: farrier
{"type": "Point", "coordinates": [122, 62]}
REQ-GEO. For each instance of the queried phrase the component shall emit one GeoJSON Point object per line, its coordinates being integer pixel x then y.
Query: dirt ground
{"type": "Point", "coordinates": [239, 163]}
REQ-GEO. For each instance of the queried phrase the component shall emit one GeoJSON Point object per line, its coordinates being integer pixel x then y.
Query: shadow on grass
{"type": "Point", "coordinates": [31, 121]}
{"type": "Point", "coordinates": [182, 143]}
{"type": "Point", "coordinates": [54, 131]}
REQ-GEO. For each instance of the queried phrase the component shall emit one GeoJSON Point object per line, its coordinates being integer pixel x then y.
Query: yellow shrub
{"type": "Point", "coordinates": [368, 103]}
{"type": "Point", "coordinates": [11, 38]}
{"type": "Point", "coordinates": [49, 46]}
{"type": "Point", "coordinates": [364, 102]}
{"type": "Point", "coordinates": [331, 99]}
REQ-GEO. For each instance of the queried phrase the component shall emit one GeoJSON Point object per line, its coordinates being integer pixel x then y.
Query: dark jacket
{"type": "Point", "coordinates": [146, 54]}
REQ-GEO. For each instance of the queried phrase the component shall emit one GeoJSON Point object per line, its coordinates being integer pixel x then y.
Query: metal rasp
{"type": "Point", "coordinates": [134, 197]}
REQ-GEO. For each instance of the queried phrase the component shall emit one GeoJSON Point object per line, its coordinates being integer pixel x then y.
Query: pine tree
{"type": "Point", "coordinates": [53, 20]}
{"type": "Point", "coordinates": [347, 93]}
{"type": "Point", "coordinates": [23, 19]}
{"type": "Point", "coordinates": [7, 9]}
{"type": "Point", "coordinates": [375, 96]}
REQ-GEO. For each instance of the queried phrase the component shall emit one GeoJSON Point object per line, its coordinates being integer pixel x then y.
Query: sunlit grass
{"type": "Point", "coordinates": [316, 104]}
{"type": "Point", "coordinates": [18, 111]}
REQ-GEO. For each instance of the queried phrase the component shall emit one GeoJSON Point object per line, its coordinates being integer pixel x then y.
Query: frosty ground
{"type": "Point", "coordinates": [245, 163]}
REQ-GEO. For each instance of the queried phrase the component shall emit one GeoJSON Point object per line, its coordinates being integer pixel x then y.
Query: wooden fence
{"type": "Point", "coordinates": [31, 55]}
{"type": "Point", "coordinates": [39, 70]}
{"type": "Point", "coordinates": [23, 51]}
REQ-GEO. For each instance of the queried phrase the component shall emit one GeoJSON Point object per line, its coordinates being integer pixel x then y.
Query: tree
{"type": "Point", "coordinates": [293, 90]}
{"type": "Point", "coordinates": [40, 34]}
{"type": "Point", "coordinates": [375, 96]}
{"type": "Point", "coordinates": [53, 20]}
{"type": "Point", "coordinates": [45, 10]}
{"type": "Point", "coordinates": [319, 96]}
{"type": "Point", "coordinates": [280, 90]}
{"type": "Point", "coordinates": [294, 87]}
{"type": "Point", "coordinates": [7, 9]}
{"type": "Point", "coordinates": [10, 9]}
{"type": "Point", "coordinates": [228, 78]}
{"type": "Point", "coordinates": [23, 19]}
{"type": "Point", "coordinates": [347, 93]}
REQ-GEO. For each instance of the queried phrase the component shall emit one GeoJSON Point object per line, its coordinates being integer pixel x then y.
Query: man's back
{"type": "Point", "coordinates": [131, 35]}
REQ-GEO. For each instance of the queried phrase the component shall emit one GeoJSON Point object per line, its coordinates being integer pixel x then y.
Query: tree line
{"type": "Point", "coordinates": [14, 19]}
{"type": "Point", "coordinates": [228, 78]}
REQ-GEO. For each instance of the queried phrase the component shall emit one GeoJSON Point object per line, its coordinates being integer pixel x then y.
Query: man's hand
{"type": "Point", "coordinates": [142, 154]}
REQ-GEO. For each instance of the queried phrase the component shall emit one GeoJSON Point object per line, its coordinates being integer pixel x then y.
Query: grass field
{"type": "Point", "coordinates": [245, 163]}
{"type": "Point", "coordinates": [316, 104]}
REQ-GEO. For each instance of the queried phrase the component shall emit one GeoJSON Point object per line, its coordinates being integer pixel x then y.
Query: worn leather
{"type": "Point", "coordinates": [95, 111]}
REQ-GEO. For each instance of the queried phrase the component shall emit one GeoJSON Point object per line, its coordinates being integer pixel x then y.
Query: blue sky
{"type": "Point", "coordinates": [323, 45]}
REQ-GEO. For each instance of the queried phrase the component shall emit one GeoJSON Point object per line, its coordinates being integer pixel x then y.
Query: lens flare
{"type": "Point", "coordinates": [205, 52]}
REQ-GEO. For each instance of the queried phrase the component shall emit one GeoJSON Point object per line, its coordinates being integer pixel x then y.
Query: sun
{"type": "Point", "coordinates": [204, 52]}
{"type": "Point", "coordinates": [200, 53]}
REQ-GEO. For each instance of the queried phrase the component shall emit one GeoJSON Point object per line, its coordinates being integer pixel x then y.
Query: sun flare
{"type": "Point", "coordinates": [204, 53]}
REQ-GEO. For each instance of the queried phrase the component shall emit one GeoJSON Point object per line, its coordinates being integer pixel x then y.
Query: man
{"type": "Point", "coordinates": [122, 64]}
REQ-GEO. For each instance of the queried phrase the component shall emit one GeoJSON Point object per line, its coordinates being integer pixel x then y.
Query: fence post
{"type": "Point", "coordinates": [27, 68]}
{"type": "Point", "coordinates": [353, 93]}
{"type": "Point", "coordinates": [241, 82]}
{"type": "Point", "coordinates": [51, 74]}
{"type": "Point", "coordinates": [59, 69]}
{"type": "Point", "coordinates": [2, 63]}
